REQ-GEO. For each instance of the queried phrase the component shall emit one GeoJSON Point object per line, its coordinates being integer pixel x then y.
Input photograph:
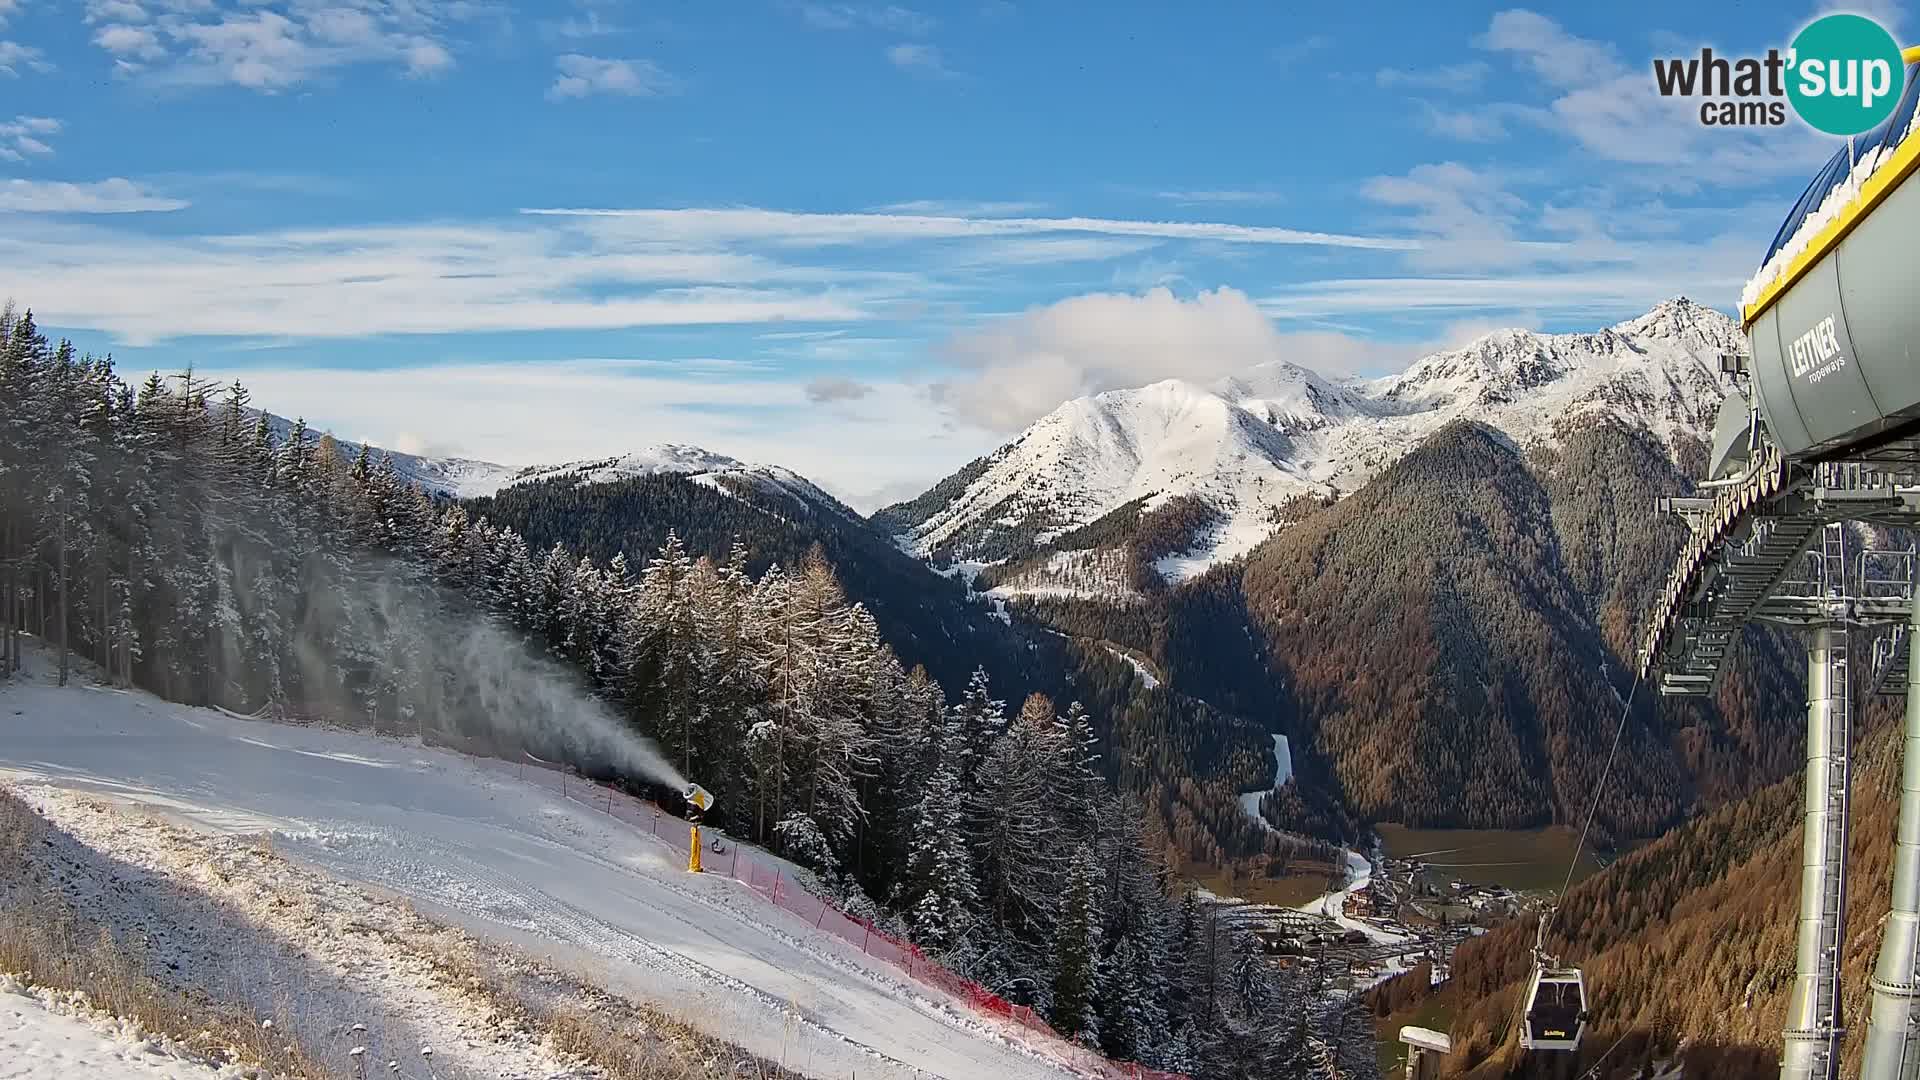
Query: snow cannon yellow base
{"type": "Point", "coordinates": [699, 801]}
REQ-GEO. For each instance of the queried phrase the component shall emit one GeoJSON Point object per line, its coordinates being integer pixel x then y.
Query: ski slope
{"type": "Point", "coordinates": [509, 861]}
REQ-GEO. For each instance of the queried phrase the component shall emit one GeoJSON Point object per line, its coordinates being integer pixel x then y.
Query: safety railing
{"type": "Point", "coordinates": [776, 886]}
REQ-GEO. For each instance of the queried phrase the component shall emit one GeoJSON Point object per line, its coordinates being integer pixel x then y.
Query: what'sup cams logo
{"type": "Point", "coordinates": [1842, 75]}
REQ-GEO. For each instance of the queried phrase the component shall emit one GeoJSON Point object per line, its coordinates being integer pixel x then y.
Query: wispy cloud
{"type": "Point", "coordinates": [1223, 197]}
{"type": "Point", "coordinates": [890, 18]}
{"type": "Point", "coordinates": [416, 279]}
{"type": "Point", "coordinates": [1452, 78]}
{"type": "Point", "coordinates": [25, 136]}
{"type": "Point", "coordinates": [115, 196]}
{"type": "Point", "coordinates": [961, 207]}
{"type": "Point", "coordinates": [1611, 110]}
{"type": "Point", "coordinates": [16, 58]}
{"type": "Point", "coordinates": [805, 229]}
{"type": "Point", "coordinates": [833, 388]}
{"type": "Point", "coordinates": [582, 76]}
{"type": "Point", "coordinates": [585, 25]}
{"type": "Point", "coordinates": [921, 60]}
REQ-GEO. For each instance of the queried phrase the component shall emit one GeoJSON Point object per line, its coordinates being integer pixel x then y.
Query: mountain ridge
{"type": "Point", "coordinates": [1247, 444]}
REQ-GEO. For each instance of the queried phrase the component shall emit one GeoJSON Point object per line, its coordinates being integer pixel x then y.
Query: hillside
{"type": "Point", "coordinates": [1690, 939]}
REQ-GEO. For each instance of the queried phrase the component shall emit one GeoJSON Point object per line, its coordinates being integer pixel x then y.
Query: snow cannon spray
{"type": "Point", "coordinates": [699, 799]}
{"type": "Point", "coordinates": [525, 696]}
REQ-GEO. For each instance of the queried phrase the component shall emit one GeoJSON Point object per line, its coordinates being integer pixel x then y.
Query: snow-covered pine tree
{"type": "Point", "coordinates": [937, 888]}
{"type": "Point", "coordinates": [1076, 953]}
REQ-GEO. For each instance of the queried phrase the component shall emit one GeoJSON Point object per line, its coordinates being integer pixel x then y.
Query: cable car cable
{"type": "Point", "coordinates": [1553, 979]}
{"type": "Point", "coordinates": [1599, 789]}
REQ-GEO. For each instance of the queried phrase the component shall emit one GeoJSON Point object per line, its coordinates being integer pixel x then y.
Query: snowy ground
{"type": "Point", "coordinates": [513, 863]}
{"type": "Point", "coordinates": [1282, 772]}
{"type": "Point", "coordinates": [44, 1036]}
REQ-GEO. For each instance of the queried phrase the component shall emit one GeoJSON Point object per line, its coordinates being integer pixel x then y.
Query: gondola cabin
{"type": "Point", "coordinates": [1556, 1016]}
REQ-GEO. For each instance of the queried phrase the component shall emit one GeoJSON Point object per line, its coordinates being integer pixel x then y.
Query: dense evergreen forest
{"type": "Point", "coordinates": [168, 536]}
{"type": "Point", "coordinates": [1185, 759]}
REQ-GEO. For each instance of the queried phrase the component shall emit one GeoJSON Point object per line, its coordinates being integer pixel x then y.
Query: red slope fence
{"type": "Point", "coordinates": [773, 884]}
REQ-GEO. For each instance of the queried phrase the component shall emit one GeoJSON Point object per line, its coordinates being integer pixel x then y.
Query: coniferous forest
{"type": "Point", "coordinates": [167, 537]}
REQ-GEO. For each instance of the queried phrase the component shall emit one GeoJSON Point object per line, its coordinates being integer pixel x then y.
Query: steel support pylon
{"type": "Point", "coordinates": [1893, 1030]}
{"type": "Point", "coordinates": [1814, 1022]}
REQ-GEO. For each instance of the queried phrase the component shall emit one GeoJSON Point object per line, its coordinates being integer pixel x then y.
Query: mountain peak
{"type": "Point", "coordinates": [1249, 445]}
{"type": "Point", "coordinates": [1681, 319]}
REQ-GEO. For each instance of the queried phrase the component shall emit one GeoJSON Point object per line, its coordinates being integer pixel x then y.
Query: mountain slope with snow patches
{"type": "Point", "coordinates": [1247, 444]}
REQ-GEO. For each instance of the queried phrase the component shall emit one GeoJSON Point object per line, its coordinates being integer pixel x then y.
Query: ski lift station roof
{"type": "Point", "coordinates": [1830, 315]}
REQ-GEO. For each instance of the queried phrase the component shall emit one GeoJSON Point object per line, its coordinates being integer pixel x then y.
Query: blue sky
{"type": "Point", "coordinates": [867, 241]}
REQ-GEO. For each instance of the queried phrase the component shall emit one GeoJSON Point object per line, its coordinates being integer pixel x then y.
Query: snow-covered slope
{"type": "Point", "coordinates": [1248, 443]}
{"type": "Point", "coordinates": [516, 863]}
{"type": "Point", "coordinates": [45, 1038]}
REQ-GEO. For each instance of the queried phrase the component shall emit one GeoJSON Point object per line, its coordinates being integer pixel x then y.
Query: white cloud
{"type": "Point", "coordinates": [921, 60]}
{"type": "Point", "coordinates": [114, 196]}
{"type": "Point", "coordinates": [8, 9]}
{"type": "Point", "coordinates": [1021, 368]}
{"type": "Point", "coordinates": [15, 57]}
{"type": "Point", "coordinates": [1548, 50]}
{"type": "Point", "coordinates": [120, 39]}
{"type": "Point", "coordinates": [273, 45]}
{"type": "Point", "coordinates": [426, 58]}
{"type": "Point", "coordinates": [581, 76]}
{"type": "Point", "coordinates": [805, 229]}
{"type": "Point", "coordinates": [115, 11]}
{"type": "Point", "coordinates": [19, 137]}
{"type": "Point", "coordinates": [522, 414]}
{"type": "Point", "coordinates": [1451, 78]}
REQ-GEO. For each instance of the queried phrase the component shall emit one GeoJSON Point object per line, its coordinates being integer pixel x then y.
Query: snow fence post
{"type": "Point", "coordinates": [820, 919]}
{"type": "Point", "coordinates": [776, 886]}
{"type": "Point", "coordinates": [868, 936]}
{"type": "Point", "coordinates": [732, 866]}
{"type": "Point", "coordinates": [656, 819]}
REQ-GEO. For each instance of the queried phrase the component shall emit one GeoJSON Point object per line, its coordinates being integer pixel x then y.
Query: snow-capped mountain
{"type": "Point", "coordinates": [435, 475]}
{"type": "Point", "coordinates": [1249, 443]}
{"type": "Point", "coordinates": [701, 466]}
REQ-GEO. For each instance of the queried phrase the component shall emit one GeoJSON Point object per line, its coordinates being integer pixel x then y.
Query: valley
{"type": "Point", "coordinates": [1525, 860]}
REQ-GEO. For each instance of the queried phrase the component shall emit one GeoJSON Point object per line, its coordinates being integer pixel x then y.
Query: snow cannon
{"type": "Point", "coordinates": [699, 801]}
{"type": "Point", "coordinates": [1830, 314]}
